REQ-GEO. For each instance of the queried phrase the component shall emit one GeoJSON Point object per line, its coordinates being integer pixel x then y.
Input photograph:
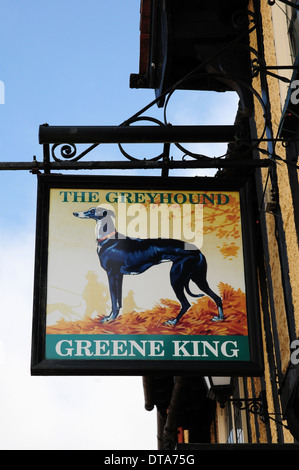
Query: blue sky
{"type": "Point", "coordinates": [68, 62]}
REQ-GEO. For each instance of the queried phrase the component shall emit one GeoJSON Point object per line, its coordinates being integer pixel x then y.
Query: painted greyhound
{"type": "Point", "coordinates": [120, 255]}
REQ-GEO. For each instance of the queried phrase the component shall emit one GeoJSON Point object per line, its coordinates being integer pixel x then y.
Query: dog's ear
{"type": "Point", "coordinates": [104, 212]}
{"type": "Point", "coordinates": [109, 212]}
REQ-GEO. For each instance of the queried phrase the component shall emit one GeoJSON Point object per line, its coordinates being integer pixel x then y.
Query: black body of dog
{"type": "Point", "coordinates": [121, 255]}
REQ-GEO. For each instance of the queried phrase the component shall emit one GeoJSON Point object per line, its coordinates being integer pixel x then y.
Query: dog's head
{"type": "Point", "coordinates": [103, 217]}
{"type": "Point", "coordinates": [96, 213]}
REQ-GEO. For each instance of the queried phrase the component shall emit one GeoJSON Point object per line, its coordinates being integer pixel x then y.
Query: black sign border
{"type": "Point", "coordinates": [42, 366]}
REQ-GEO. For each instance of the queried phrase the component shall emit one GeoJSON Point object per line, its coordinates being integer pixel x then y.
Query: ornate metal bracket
{"type": "Point", "coordinates": [256, 406]}
{"type": "Point", "coordinates": [286, 2]}
{"type": "Point", "coordinates": [69, 157]}
{"type": "Point", "coordinates": [257, 68]}
{"type": "Point", "coordinates": [96, 135]}
{"type": "Point", "coordinates": [61, 143]}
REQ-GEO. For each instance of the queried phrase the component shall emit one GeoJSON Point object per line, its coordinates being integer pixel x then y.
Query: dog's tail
{"type": "Point", "coordinates": [187, 287]}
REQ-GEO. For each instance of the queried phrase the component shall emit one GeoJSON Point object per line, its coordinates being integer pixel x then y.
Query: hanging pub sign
{"type": "Point", "coordinates": [137, 275]}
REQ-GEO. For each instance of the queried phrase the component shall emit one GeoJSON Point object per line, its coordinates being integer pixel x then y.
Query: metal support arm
{"type": "Point", "coordinates": [286, 2]}
{"type": "Point", "coordinates": [136, 134]}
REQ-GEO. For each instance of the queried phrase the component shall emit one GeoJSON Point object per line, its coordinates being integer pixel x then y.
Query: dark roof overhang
{"type": "Point", "coordinates": [195, 45]}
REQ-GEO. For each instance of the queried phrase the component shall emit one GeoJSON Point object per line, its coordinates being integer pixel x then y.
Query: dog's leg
{"type": "Point", "coordinates": [178, 275]}
{"type": "Point", "coordinates": [217, 300]}
{"type": "Point", "coordinates": [199, 277]}
{"type": "Point", "coordinates": [115, 287]}
{"type": "Point", "coordinates": [184, 307]}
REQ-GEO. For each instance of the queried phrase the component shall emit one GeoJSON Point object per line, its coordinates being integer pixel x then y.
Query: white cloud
{"type": "Point", "coordinates": [65, 413]}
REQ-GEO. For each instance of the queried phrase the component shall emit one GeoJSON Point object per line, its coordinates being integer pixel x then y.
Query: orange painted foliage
{"type": "Point", "coordinates": [197, 321]}
{"type": "Point", "coordinates": [228, 251]}
{"type": "Point", "coordinates": [223, 220]}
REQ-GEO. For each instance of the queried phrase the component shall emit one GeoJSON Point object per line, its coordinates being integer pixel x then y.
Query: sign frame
{"type": "Point", "coordinates": [43, 365]}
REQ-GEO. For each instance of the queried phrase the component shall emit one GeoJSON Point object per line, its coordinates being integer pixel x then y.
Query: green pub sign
{"type": "Point", "coordinates": [139, 275]}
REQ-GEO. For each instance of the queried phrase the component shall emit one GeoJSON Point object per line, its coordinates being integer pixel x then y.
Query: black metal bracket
{"type": "Point", "coordinates": [256, 68]}
{"type": "Point", "coordinates": [61, 143]}
{"type": "Point", "coordinates": [136, 134]}
{"type": "Point", "coordinates": [165, 134]}
{"type": "Point", "coordinates": [256, 406]}
{"type": "Point", "coordinates": [286, 2]}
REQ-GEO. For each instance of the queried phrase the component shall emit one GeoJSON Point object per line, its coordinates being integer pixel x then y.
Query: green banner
{"type": "Point", "coordinates": [147, 347]}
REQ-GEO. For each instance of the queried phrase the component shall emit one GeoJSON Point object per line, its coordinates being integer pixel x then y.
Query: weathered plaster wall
{"type": "Point", "coordinates": [285, 197]}
{"type": "Point", "coordinates": [287, 209]}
